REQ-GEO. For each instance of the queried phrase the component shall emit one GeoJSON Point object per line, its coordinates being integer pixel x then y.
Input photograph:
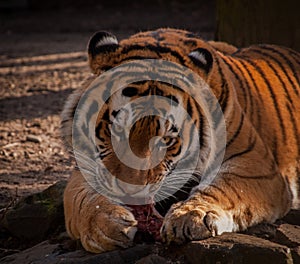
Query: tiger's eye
{"type": "Point", "coordinates": [130, 91]}
{"type": "Point", "coordinates": [166, 142]}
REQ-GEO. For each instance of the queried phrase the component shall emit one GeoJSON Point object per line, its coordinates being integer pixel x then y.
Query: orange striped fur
{"type": "Point", "coordinates": [258, 91]}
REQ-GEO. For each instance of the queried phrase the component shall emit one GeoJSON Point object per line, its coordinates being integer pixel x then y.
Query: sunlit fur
{"type": "Point", "coordinates": [258, 90]}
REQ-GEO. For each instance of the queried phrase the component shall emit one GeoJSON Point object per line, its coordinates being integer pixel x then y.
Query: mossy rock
{"type": "Point", "coordinates": [38, 216]}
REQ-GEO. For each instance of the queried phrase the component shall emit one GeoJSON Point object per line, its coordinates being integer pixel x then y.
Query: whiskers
{"type": "Point", "coordinates": [175, 186]}
{"type": "Point", "coordinates": [177, 181]}
{"type": "Point", "coordinates": [94, 171]}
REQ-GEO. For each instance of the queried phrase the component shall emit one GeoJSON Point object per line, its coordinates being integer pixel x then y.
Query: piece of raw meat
{"type": "Point", "coordinates": [149, 222]}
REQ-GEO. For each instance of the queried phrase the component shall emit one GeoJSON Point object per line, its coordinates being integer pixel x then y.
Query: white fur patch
{"type": "Point", "coordinates": [199, 56]}
{"type": "Point", "coordinates": [225, 223]}
{"type": "Point", "coordinates": [107, 41]}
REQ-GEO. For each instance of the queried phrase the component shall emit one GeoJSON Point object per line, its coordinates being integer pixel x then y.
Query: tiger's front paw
{"type": "Point", "coordinates": [191, 220]}
{"type": "Point", "coordinates": [108, 228]}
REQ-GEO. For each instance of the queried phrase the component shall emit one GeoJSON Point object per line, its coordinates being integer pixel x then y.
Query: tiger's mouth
{"type": "Point", "coordinates": [137, 194]}
{"type": "Point", "coordinates": [150, 215]}
{"type": "Point", "coordinates": [149, 222]}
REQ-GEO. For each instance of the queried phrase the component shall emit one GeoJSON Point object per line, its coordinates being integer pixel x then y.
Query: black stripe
{"type": "Point", "coordinates": [287, 60]}
{"type": "Point", "coordinates": [249, 148]}
{"type": "Point", "coordinates": [159, 92]}
{"type": "Point", "coordinates": [224, 195]}
{"type": "Point", "coordinates": [251, 77]}
{"type": "Point", "coordinates": [130, 91]}
{"type": "Point", "coordinates": [157, 127]}
{"type": "Point", "coordinates": [106, 115]}
{"type": "Point", "coordinates": [209, 195]}
{"type": "Point", "coordinates": [145, 93]}
{"type": "Point", "coordinates": [173, 98]}
{"type": "Point", "coordinates": [82, 200]}
{"type": "Point", "coordinates": [114, 113]}
{"type": "Point", "coordinates": [150, 76]}
{"type": "Point", "coordinates": [223, 100]}
{"type": "Point", "coordinates": [295, 130]}
{"type": "Point", "coordinates": [190, 35]}
{"type": "Point", "coordinates": [104, 154]}
{"type": "Point", "coordinates": [223, 80]}
{"type": "Point", "coordinates": [201, 125]}
{"type": "Point", "coordinates": [277, 74]}
{"type": "Point", "coordinates": [177, 152]}
{"type": "Point", "coordinates": [239, 79]}
{"type": "Point", "coordinates": [245, 65]}
{"type": "Point", "coordinates": [295, 56]}
{"type": "Point", "coordinates": [107, 131]}
{"type": "Point", "coordinates": [101, 147]}
{"type": "Point", "coordinates": [140, 82]}
{"type": "Point", "coordinates": [274, 148]}
{"type": "Point", "coordinates": [98, 129]}
{"type": "Point", "coordinates": [237, 132]}
{"type": "Point", "coordinates": [190, 42]}
{"type": "Point", "coordinates": [248, 87]}
{"type": "Point", "coordinates": [201, 128]}
{"type": "Point", "coordinates": [172, 85]}
{"type": "Point", "coordinates": [292, 52]}
{"type": "Point", "coordinates": [189, 107]}
{"type": "Point", "coordinates": [157, 49]}
{"type": "Point", "coordinates": [273, 96]}
{"type": "Point", "coordinates": [135, 57]}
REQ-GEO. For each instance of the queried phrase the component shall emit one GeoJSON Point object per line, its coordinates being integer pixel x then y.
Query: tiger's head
{"type": "Point", "coordinates": [146, 128]}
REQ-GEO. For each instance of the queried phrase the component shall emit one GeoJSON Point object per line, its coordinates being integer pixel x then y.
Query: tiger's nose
{"type": "Point", "coordinates": [145, 148]}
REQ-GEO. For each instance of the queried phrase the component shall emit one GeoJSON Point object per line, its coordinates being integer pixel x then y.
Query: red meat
{"type": "Point", "coordinates": [149, 222]}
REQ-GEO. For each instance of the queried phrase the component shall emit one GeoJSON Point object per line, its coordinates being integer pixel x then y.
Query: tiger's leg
{"type": "Point", "coordinates": [231, 203]}
{"type": "Point", "coordinates": [100, 224]}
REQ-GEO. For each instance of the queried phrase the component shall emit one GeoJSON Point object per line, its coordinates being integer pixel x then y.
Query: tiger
{"type": "Point", "coordinates": [258, 91]}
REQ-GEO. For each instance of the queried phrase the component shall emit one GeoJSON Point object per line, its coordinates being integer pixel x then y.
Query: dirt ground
{"type": "Point", "coordinates": [42, 60]}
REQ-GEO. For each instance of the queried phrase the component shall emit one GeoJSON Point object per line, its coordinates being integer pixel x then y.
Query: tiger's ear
{"type": "Point", "coordinates": [202, 58]}
{"type": "Point", "coordinates": [102, 42]}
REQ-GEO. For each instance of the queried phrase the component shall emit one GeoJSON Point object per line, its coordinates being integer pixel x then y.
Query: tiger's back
{"type": "Point", "coordinates": [266, 78]}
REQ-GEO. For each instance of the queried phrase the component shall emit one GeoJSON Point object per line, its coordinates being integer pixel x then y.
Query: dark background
{"type": "Point", "coordinates": [40, 27]}
{"type": "Point", "coordinates": [27, 27]}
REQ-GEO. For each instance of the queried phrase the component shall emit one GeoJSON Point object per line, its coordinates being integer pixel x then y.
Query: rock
{"type": "Point", "coordinates": [152, 259]}
{"type": "Point", "coordinates": [296, 255]}
{"type": "Point", "coordinates": [293, 217]}
{"type": "Point", "coordinates": [288, 235]}
{"type": "Point", "coordinates": [130, 255]}
{"type": "Point", "coordinates": [46, 253]}
{"type": "Point", "coordinates": [7, 252]}
{"type": "Point", "coordinates": [35, 217]}
{"type": "Point", "coordinates": [33, 138]}
{"type": "Point", "coordinates": [227, 248]}
{"type": "Point", "coordinates": [35, 254]}
{"type": "Point", "coordinates": [235, 248]}
{"type": "Point", "coordinates": [264, 230]}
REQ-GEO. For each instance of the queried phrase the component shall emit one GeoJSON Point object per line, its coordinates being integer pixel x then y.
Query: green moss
{"type": "Point", "coordinates": [49, 205]}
